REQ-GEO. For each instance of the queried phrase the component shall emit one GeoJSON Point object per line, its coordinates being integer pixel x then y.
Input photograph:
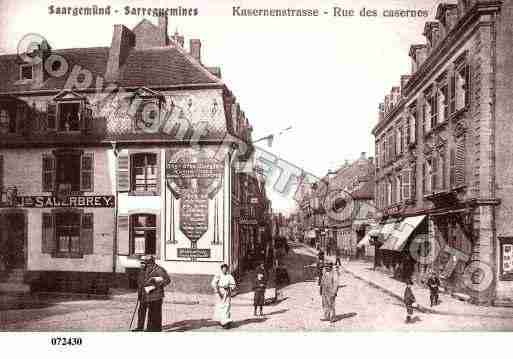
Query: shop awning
{"type": "Point", "coordinates": [397, 239]}
{"type": "Point", "coordinates": [381, 231]}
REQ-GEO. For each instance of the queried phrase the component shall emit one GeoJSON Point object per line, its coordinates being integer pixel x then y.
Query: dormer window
{"type": "Point", "coordinates": [69, 112]}
{"type": "Point", "coordinates": [26, 72]}
{"type": "Point", "coordinates": [147, 111]}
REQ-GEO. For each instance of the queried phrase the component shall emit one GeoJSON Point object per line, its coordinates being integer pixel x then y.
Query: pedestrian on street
{"type": "Point", "coordinates": [337, 256]}
{"type": "Point", "coordinates": [320, 255]}
{"type": "Point", "coordinates": [259, 297]}
{"type": "Point", "coordinates": [151, 281]}
{"type": "Point", "coordinates": [224, 285]}
{"type": "Point", "coordinates": [329, 290]}
{"type": "Point", "coordinates": [434, 287]}
{"type": "Point", "coordinates": [320, 269]}
{"type": "Point", "coordinates": [409, 300]}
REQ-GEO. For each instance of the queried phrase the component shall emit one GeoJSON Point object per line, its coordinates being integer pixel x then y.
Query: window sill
{"type": "Point", "coordinates": [143, 194]}
{"type": "Point", "coordinates": [68, 255]}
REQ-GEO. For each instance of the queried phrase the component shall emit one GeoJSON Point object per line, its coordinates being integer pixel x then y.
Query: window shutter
{"type": "Point", "coordinates": [87, 172]}
{"type": "Point", "coordinates": [443, 164]}
{"type": "Point", "coordinates": [413, 182]}
{"type": "Point", "coordinates": [51, 115]}
{"type": "Point", "coordinates": [123, 235]}
{"type": "Point", "coordinates": [48, 180]}
{"type": "Point", "coordinates": [434, 174]}
{"type": "Point", "coordinates": [467, 78]}
{"type": "Point", "coordinates": [86, 115]}
{"type": "Point", "coordinates": [1, 172]}
{"type": "Point", "coordinates": [157, 237]}
{"type": "Point", "coordinates": [87, 234]}
{"type": "Point", "coordinates": [459, 175]}
{"type": "Point", "coordinates": [123, 173]}
{"type": "Point", "coordinates": [424, 189]}
{"type": "Point", "coordinates": [48, 233]}
{"type": "Point", "coordinates": [452, 92]}
{"type": "Point", "coordinates": [158, 172]}
{"type": "Point", "coordinates": [406, 185]}
{"type": "Point", "coordinates": [452, 168]}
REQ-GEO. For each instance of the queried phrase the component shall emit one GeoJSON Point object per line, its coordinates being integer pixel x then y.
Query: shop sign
{"type": "Point", "coordinates": [66, 202]}
{"type": "Point", "coordinates": [194, 217]}
{"type": "Point", "coordinates": [193, 253]}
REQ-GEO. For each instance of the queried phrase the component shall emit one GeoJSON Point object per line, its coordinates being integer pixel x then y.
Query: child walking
{"type": "Point", "coordinates": [259, 288]}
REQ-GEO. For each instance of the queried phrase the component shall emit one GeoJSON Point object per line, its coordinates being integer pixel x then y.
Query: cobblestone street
{"type": "Point", "coordinates": [359, 307]}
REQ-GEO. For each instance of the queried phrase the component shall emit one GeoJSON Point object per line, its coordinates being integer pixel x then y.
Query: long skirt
{"type": "Point", "coordinates": [223, 308]}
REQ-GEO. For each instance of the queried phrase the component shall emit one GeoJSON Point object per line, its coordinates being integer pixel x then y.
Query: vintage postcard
{"type": "Point", "coordinates": [255, 166]}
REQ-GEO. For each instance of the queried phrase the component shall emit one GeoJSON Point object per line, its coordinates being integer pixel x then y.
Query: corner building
{"type": "Point", "coordinates": [139, 160]}
{"type": "Point", "coordinates": [443, 145]}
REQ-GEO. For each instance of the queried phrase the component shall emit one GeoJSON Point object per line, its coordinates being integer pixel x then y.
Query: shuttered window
{"type": "Point", "coordinates": [424, 182]}
{"type": "Point", "coordinates": [51, 115]}
{"type": "Point", "coordinates": [459, 170]}
{"type": "Point", "coordinates": [452, 93]}
{"type": "Point", "coordinates": [434, 174]}
{"type": "Point", "coordinates": [68, 234]}
{"type": "Point", "coordinates": [87, 172]}
{"type": "Point", "coordinates": [48, 181]}
{"type": "Point", "coordinates": [452, 168]}
{"type": "Point", "coordinates": [406, 185]}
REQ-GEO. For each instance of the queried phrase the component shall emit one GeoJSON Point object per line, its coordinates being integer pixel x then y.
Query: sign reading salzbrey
{"type": "Point", "coordinates": [68, 201]}
{"type": "Point", "coordinates": [194, 177]}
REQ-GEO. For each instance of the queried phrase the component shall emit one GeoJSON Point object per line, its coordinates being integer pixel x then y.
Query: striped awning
{"type": "Point", "coordinates": [398, 238]}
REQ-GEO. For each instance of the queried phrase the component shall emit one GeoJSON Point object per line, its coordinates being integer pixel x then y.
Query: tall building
{"type": "Point", "coordinates": [111, 153]}
{"type": "Point", "coordinates": [443, 145]}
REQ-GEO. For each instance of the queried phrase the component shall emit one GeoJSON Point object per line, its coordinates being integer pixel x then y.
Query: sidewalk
{"type": "Point", "coordinates": [448, 304]}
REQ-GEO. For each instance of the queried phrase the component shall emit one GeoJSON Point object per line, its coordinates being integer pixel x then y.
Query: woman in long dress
{"type": "Point", "coordinates": [223, 285]}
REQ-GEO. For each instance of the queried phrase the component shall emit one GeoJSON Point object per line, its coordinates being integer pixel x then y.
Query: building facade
{"type": "Point", "coordinates": [108, 154]}
{"type": "Point", "coordinates": [443, 151]}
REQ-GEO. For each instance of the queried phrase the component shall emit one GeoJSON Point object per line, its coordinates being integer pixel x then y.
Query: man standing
{"type": "Point", "coordinates": [329, 290]}
{"type": "Point", "coordinates": [151, 282]}
{"type": "Point", "coordinates": [337, 256]}
{"type": "Point", "coordinates": [434, 287]}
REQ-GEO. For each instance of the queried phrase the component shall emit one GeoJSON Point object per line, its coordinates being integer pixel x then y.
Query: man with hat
{"type": "Point", "coordinates": [151, 282]}
{"type": "Point", "coordinates": [329, 290]}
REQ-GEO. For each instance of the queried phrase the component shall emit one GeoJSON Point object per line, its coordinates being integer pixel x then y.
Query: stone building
{"type": "Point", "coordinates": [111, 153]}
{"type": "Point", "coordinates": [443, 151]}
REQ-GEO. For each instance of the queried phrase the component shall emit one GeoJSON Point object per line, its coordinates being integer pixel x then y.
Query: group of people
{"type": "Point", "coordinates": [153, 278]}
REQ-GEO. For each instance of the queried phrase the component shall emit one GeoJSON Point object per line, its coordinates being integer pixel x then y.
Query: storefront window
{"type": "Point", "coordinates": [144, 234]}
{"type": "Point", "coordinates": [67, 228]}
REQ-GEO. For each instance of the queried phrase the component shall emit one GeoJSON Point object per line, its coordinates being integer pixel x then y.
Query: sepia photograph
{"type": "Point", "coordinates": [255, 167]}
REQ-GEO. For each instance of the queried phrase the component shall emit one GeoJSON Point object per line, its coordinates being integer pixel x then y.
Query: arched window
{"type": "Point", "coordinates": [143, 234]}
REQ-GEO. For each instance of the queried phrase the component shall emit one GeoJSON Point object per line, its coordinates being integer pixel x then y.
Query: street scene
{"type": "Point", "coordinates": [161, 174]}
{"type": "Point", "coordinates": [360, 306]}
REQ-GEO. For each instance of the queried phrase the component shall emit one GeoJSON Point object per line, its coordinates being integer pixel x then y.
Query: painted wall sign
{"type": "Point", "coordinates": [69, 201]}
{"type": "Point", "coordinates": [507, 258]}
{"type": "Point", "coordinates": [194, 217]}
{"type": "Point", "coordinates": [193, 252]}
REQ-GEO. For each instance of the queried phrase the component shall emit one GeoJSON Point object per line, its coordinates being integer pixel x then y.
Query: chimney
{"type": "Point", "coordinates": [162, 25]}
{"type": "Point", "coordinates": [195, 49]}
{"type": "Point", "coordinates": [122, 41]}
{"type": "Point", "coordinates": [418, 54]}
{"type": "Point", "coordinates": [179, 39]}
{"type": "Point", "coordinates": [381, 112]}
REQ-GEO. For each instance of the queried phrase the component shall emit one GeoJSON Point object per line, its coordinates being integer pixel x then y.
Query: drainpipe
{"type": "Point", "coordinates": [115, 233]}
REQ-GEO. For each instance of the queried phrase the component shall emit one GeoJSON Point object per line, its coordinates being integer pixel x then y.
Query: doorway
{"type": "Point", "coordinates": [13, 246]}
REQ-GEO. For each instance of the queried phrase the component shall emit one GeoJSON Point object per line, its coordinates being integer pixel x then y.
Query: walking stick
{"type": "Point", "coordinates": [133, 314]}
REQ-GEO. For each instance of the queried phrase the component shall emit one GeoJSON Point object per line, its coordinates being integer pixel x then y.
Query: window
{"type": "Point", "coordinates": [427, 114]}
{"type": "Point", "coordinates": [69, 116]}
{"type": "Point", "coordinates": [461, 87]}
{"type": "Point", "coordinates": [67, 230]}
{"type": "Point", "coordinates": [67, 172]}
{"type": "Point", "coordinates": [144, 172]}
{"type": "Point", "coordinates": [26, 72]}
{"type": "Point", "coordinates": [434, 108]}
{"type": "Point", "coordinates": [413, 123]}
{"type": "Point", "coordinates": [399, 136]}
{"type": "Point", "coordinates": [144, 234]}
{"type": "Point", "coordinates": [433, 170]}
{"type": "Point", "coordinates": [406, 185]}
{"type": "Point", "coordinates": [7, 122]}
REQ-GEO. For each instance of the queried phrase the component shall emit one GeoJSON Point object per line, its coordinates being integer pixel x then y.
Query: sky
{"type": "Point", "coordinates": [323, 76]}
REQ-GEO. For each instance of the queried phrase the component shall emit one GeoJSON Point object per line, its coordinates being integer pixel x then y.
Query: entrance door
{"type": "Point", "coordinates": [12, 240]}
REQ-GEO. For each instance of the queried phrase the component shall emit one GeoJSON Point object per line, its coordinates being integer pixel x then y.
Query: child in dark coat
{"type": "Point", "coordinates": [409, 299]}
{"type": "Point", "coordinates": [259, 288]}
